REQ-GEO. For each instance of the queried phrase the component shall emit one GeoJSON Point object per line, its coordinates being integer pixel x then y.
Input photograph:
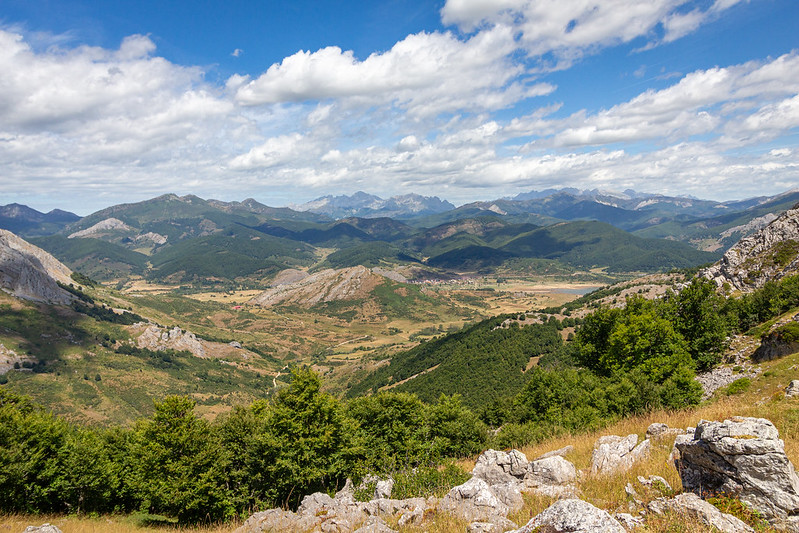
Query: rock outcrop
{"type": "Point", "coordinates": [613, 453]}
{"type": "Point", "coordinates": [325, 286]}
{"type": "Point", "coordinates": [745, 458]}
{"type": "Point", "coordinates": [692, 508]}
{"type": "Point", "coordinates": [573, 515]}
{"type": "Point", "coordinates": [29, 272]}
{"type": "Point", "coordinates": [792, 389]}
{"type": "Point", "coordinates": [154, 337]}
{"type": "Point", "coordinates": [782, 340]}
{"type": "Point", "coordinates": [102, 228]}
{"type": "Point", "coordinates": [769, 254]}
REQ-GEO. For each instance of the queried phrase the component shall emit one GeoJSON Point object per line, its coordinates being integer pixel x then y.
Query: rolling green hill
{"type": "Point", "coordinates": [232, 253]}
{"type": "Point", "coordinates": [97, 259]}
{"type": "Point", "coordinates": [482, 363]}
{"type": "Point", "coordinates": [596, 244]}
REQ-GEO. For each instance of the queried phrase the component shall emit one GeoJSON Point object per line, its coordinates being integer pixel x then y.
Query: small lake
{"type": "Point", "coordinates": [577, 290]}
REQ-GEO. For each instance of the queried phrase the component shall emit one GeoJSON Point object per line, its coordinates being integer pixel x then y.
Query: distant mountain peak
{"type": "Point", "coordinates": [365, 205]}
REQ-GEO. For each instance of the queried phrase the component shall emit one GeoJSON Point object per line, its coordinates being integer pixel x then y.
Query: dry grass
{"type": "Point", "coordinates": [103, 524]}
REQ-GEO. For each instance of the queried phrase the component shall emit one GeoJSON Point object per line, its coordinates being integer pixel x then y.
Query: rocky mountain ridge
{"type": "Point", "coordinates": [28, 272]}
{"type": "Point", "coordinates": [295, 287]}
{"type": "Point", "coordinates": [769, 254]}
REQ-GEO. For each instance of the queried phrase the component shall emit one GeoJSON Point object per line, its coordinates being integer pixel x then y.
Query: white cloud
{"type": "Point", "coordinates": [742, 97]}
{"type": "Point", "coordinates": [574, 28]}
{"type": "Point", "coordinates": [425, 73]}
{"type": "Point", "coordinates": [237, 52]}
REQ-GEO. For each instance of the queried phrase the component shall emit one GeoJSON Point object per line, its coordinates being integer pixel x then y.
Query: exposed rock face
{"type": "Point", "coordinates": [288, 276]}
{"type": "Point", "coordinates": [721, 376]}
{"type": "Point", "coordinates": [29, 272]}
{"type": "Point", "coordinates": [325, 286]}
{"type": "Point", "coordinates": [692, 508]}
{"type": "Point", "coordinates": [573, 516]}
{"type": "Point", "coordinates": [769, 254]}
{"type": "Point", "coordinates": [156, 338]}
{"type": "Point", "coordinates": [613, 453]}
{"type": "Point", "coordinates": [104, 226]}
{"type": "Point", "coordinates": [777, 343]}
{"type": "Point", "coordinates": [743, 457]}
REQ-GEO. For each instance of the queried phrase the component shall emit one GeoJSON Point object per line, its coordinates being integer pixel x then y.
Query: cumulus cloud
{"type": "Point", "coordinates": [569, 30]}
{"type": "Point", "coordinates": [425, 73]}
{"type": "Point", "coordinates": [438, 113]}
{"type": "Point", "coordinates": [740, 97]}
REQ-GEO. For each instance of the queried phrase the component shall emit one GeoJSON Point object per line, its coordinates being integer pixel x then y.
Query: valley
{"type": "Point", "coordinates": [302, 341]}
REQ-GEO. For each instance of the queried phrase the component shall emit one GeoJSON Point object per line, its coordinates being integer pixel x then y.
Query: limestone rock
{"type": "Point", "coordinates": [44, 528]}
{"type": "Point", "coordinates": [654, 482]}
{"type": "Point", "coordinates": [375, 524]}
{"type": "Point", "coordinates": [474, 501]}
{"type": "Point", "coordinates": [383, 487]}
{"type": "Point", "coordinates": [155, 337]}
{"type": "Point", "coordinates": [573, 516]}
{"type": "Point", "coordinates": [29, 272]}
{"type": "Point", "coordinates": [510, 494]}
{"type": "Point", "coordinates": [566, 450]}
{"type": "Point", "coordinates": [613, 453]}
{"type": "Point", "coordinates": [756, 259]}
{"type": "Point", "coordinates": [743, 457]}
{"type": "Point", "coordinates": [104, 227]}
{"type": "Point", "coordinates": [554, 470]}
{"type": "Point", "coordinates": [774, 345]}
{"type": "Point", "coordinates": [497, 524]}
{"type": "Point", "coordinates": [496, 467]}
{"type": "Point", "coordinates": [692, 508]}
{"type": "Point", "coordinates": [659, 431]}
{"type": "Point", "coordinates": [628, 521]}
{"type": "Point", "coordinates": [325, 286]}
{"type": "Point", "coordinates": [389, 507]}
{"type": "Point", "coordinates": [792, 389]}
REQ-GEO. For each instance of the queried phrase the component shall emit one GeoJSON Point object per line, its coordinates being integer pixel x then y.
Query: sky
{"type": "Point", "coordinates": [104, 103]}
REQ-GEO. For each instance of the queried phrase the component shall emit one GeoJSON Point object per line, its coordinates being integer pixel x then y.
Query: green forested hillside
{"type": "Point", "coordinates": [481, 363]}
{"type": "Point", "coordinates": [591, 244]}
{"type": "Point", "coordinates": [235, 252]}
{"type": "Point", "coordinates": [98, 259]}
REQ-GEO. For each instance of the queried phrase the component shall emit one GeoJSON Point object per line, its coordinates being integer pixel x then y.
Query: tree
{"type": "Point", "coordinates": [179, 464]}
{"type": "Point", "coordinates": [394, 428]}
{"type": "Point", "coordinates": [698, 310]}
{"type": "Point", "coordinates": [305, 443]}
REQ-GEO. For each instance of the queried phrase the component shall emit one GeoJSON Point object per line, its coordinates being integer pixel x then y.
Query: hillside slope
{"type": "Point", "coordinates": [770, 254]}
{"type": "Point", "coordinates": [27, 271]}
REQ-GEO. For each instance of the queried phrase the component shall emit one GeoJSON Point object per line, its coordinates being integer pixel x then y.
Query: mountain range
{"type": "Point", "coordinates": [186, 239]}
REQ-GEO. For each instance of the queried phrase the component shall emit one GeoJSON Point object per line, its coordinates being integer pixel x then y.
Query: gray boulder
{"type": "Point", "coordinates": [745, 458]}
{"type": "Point", "coordinates": [495, 467]}
{"type": "Point", "coordinates": [44, 528]}
{"type": "Point", "coordinates": [692, 508]}
{"type": "Point", "coordinates": [554, 470]}
{"type": "Point", "coordinates": [792, 389]}
{"type": "Point", "coordinates": [474, 501]}
{"type": "Point", "coordinates": [613, 453]}
{"type": "Point", "coordinates": [573, 516]}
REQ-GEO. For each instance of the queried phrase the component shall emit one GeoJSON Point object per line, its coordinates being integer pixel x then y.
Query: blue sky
{"type": "Point", "coordinates": [110, 102]}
